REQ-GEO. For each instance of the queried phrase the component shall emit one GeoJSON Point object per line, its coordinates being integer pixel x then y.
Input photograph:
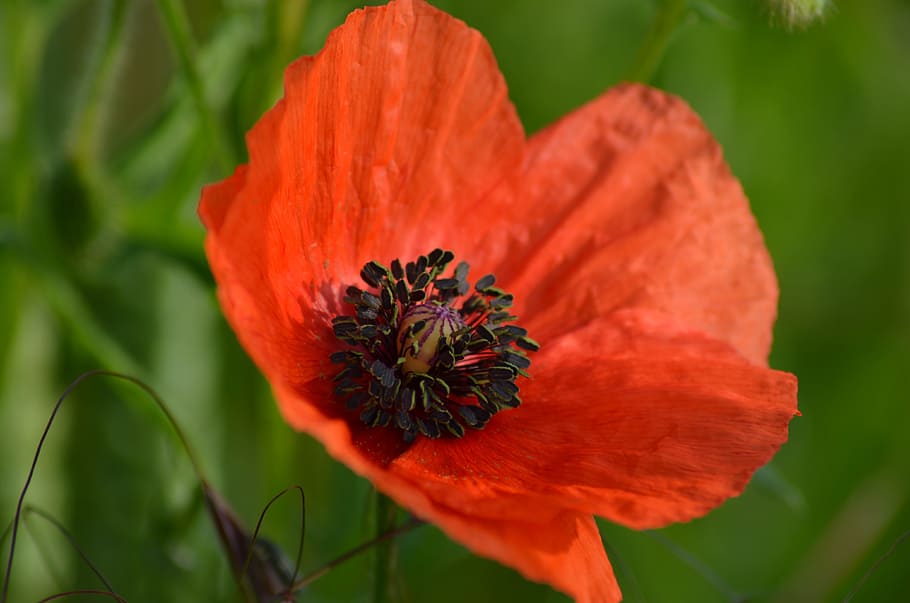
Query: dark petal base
{"type": "Point", "coordinates": [474, 364]}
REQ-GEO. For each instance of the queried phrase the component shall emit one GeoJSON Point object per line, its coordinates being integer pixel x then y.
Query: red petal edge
{"type": "Point", "coordinates": [632, 418]}
{"type": "Point", "coordinates": [628, 203]}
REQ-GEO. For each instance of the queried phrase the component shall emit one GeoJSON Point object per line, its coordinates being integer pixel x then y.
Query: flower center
{"type": "Point", "coordinates": [426, 356]}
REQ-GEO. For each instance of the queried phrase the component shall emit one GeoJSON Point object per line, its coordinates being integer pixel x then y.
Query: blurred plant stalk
{"type": "Point", "coordinates": [670, 17]}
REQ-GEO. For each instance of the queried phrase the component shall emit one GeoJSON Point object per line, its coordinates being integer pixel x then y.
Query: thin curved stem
{"type": "Point", "coordinates": [874, 566]}
{"type": "Point", "coordinates": [249, 556]}
{"type": "Point", "coordinates": [28, 480]}
{"type": "Point", "coordinates": [314, 575]}
{"type": "Point", "coordinates": [384, 568]}
{"type": "Point", "coordinates": [31, 509]}
{"type": "Point", "coordinates": [721, 585]}
{"type": "Point", "coordinates": [85, 591]}
{"type": "Point", "coordinates": [194, 461]}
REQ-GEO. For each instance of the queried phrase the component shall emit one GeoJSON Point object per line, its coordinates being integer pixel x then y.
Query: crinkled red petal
{"type": "Point", "coordinates": [632, 417]}
{"type": "Point", "coordinates": [620, 226]}
{"type": "Point", "coordinates": [398, 126]}
{"type": "Point", "coordinates": [628, 203]}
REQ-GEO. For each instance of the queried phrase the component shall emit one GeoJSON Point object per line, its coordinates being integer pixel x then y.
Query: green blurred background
{"type": "Point", "coordinates": [103, 150]}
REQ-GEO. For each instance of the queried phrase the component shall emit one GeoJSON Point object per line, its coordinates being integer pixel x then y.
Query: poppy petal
{"type": "Point", "coordinates": [380, 141]}
{"type": "Point", "coordinates": [630, 249]}
{"type": "Point", "coordinates": [627, 202]}
{"type": "Point", "coordinates": [552, 545]}
{"type": "Point", "coordinates": [632, 418]}
{"type": "Point", "coordinates": [400, 120]}
{"type": "Point", "coordinates": [565, 552]}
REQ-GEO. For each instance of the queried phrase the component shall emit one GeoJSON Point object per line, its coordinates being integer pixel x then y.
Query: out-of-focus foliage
{"type": "Point", "coordinates": [105, 141]}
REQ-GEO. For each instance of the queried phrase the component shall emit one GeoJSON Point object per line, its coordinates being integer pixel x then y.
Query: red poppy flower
{"type": "Point", "coordinates": [629, 248]}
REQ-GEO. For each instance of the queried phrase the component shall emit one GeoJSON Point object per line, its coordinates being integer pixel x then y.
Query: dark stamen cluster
{"type": "Point", "coordinates": [465, 375]}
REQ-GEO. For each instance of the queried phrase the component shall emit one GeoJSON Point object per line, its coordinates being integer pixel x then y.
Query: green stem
{"type": "Point", "coordinates": [386, 510]}
{"type": "Point", "coordinates": [23, 36]}
{"type": "Point", "coordinates": [286, 20]}
{"type": "Point", "coordinates": [321, 571]}
{"type": "Point", "coordinates": [729, 593]}
{"type": "Point", "coordinates": [177, 25]}
{"type": "Point", "coordinates": [88, 123]}
{"type": "Point", "coordinates": [670, 16]}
